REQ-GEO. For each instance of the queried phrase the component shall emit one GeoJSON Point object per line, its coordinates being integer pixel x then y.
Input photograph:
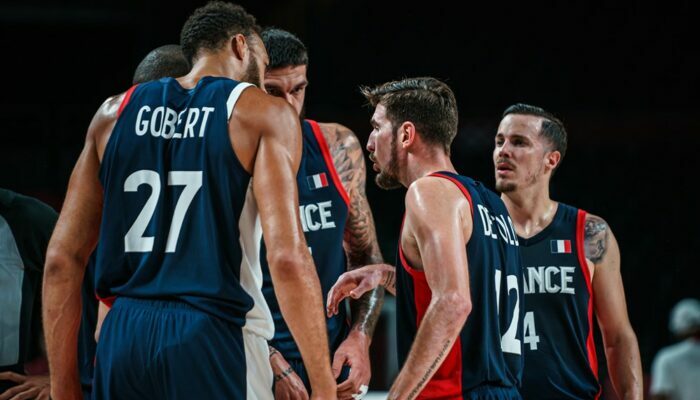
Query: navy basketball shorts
{"type": "Point", "coordinates": [155, 349]}
{"type": "Point", "coordinates": [489, 392]}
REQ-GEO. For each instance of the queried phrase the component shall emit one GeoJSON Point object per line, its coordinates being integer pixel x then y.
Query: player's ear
{"type": "Point", "coordinates": [407, 133]}
{"type": "Point", "coordinates": [239, 46]}
{"type": "Point", "coordinates": [552, 159]}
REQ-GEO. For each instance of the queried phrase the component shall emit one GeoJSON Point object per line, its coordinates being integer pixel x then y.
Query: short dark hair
{"type": "Point", "coordinates": [552, 127]}
{"type": "Point", "coordinates": [427, 102]}
{"type": "Point", "coordinates": [162, 61]}
{"type": "Point", "coordinates": [210, 26]}
{"type": "Point", "coordinates": [284, 48]}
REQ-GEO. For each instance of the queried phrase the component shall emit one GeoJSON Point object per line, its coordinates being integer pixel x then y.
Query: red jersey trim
{"type": "Point", "coordinates": [580, 248]}
{"type": "Point", "coordinates": [446, 383]}
{"type": "Point", "coordinates": [329, 161]}
{"type": "Point", "coordinates": [125, 100]}
{"type": "Point", "coordinates": [108, 301]}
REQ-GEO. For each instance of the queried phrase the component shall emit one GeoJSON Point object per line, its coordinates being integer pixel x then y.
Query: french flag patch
{"type": "Point", "coordinates": [560, 246]}
{"type": "Point", "coordinates": [317, 181]}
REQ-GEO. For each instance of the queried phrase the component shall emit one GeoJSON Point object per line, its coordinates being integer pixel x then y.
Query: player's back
{"type": "Point", "coordinates": [560, 357]}
{"type": "Point", "coordinates": [487, 353]}
{"type": "Point", "coordinates": [179, 217]}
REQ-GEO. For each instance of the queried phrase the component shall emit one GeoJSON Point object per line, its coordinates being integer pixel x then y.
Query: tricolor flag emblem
{"type": "Point", "coordinates": [560, 246]}
{"type": "Point", "coordinates": [317, 181]}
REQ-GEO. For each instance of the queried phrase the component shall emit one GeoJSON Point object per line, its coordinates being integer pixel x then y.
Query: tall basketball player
{"type": "Point", "coordinates": [178, 178]}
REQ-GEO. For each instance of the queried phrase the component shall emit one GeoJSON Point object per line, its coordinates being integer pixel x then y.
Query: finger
{"type": "Point", "coordinates": [364, 287]}
{"type": "Point", "coordinates": [44, 394]}
{"type": "Point", "coordinates": [13, 391]}
{"type": "Point", "coordinates": [12, 376]}
{"type": "Point", "coordinates": [30, 393]}
{"type": "Point", "coordinates": [338, 295]}
{"type": "Point", "coordinates": [339, 360]}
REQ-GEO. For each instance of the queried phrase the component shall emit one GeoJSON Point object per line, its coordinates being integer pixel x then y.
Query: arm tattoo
{"type": "Point", "coordinates": [595, 238]}
{"type": "Point", "coordinates": [360, 237]}
{"type": "Point", "coordinates": [284, 374]}
{"type": "Point", "coordinates": [429, 373]}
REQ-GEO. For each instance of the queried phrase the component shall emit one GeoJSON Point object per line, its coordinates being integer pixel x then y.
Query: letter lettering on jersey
{"type": "Point", "coordinates": [178, 135]}
{"type": "Point", "coordinates": [141, 122]}
{"type": "Point", "coordinates": [168, 129]}
{"type": "Point", "coordinates": [302, 217]}
{"type": "Point", "coordinates": [206, 111]}
{"type": "Point", "coordinates": [535, 277]}
{"type": "Point", "coordinates": [192, 117]}
{"type": "Point", "coordinates": [486, 221]}
{"type": "Point", "coordinates": [325, 213]}
{"type": "Point", "coordinates": [548, 279]}
{"type": "Point", "coordinates": [566, 278]}
{"type": "Point", "coordinates": [157, 116]}
{"type": "Point", "coordinates": [512, 231]}
{"type": "Point", "coordinates": [308, 209]}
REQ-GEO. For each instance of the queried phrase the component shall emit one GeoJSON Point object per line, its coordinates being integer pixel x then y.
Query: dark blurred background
{"type": "Point", "coordinates": [624, 78]}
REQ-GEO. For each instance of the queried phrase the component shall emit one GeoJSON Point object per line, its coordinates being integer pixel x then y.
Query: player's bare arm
{"type": "Point", "coordinates": [361, 247]}
{"type": "Point", "coordinates": [621, 348]}
{"type": "Point", "coordinates": [437, 226]}
{"type": "Point", "coordinates": [274, 168]}
{"type": "Point", "coordinates": [73, 239]}
{"type": "Point", "coordinates": [360, 238]}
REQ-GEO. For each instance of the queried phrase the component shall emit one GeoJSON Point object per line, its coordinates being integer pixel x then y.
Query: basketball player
{"type": "Point", "coordinates": [335, 216]}
{"type": "Point", "coordinates": [457, 248]}
{"type": "Point", "coordinates": [165, 181]}
{"type": "Point", "coordinates": [163, 61]}
{"type": "Point", "coordinates": [572, 269]}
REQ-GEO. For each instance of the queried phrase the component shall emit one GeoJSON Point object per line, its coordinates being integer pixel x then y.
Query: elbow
{"type": "Point", "coordinates": [458, 305]}
{"type": "Point", "coordinates": [287, 264]}
{"type": "Point", "coordinates": [58, 265]}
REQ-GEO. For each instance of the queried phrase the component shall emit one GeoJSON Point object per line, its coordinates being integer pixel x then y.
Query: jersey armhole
{"type": "Point", "coordinates": [125, 100]}
{"type": "Point", "coordinates": [460, 186]}
{"type": "Point", "coordinates": [234, 96]}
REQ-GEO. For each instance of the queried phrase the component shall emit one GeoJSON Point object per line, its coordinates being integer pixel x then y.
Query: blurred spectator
{"type": "Point", "coordinates": [676, 369]}
{"type": "Point", "coordinates": [25, 228]}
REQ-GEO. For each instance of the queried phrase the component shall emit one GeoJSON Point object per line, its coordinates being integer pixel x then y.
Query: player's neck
{"type": "Point", "coordinates": [214, 65]}
{"type": "Point", "coordinates": [420, 165]}
{"type": "Point", "coordinates": [531, 209]}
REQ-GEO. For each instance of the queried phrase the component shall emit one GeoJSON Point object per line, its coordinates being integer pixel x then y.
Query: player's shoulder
{"type": "Point", "coordinates": [336, 133]}
{"type": "Point", "coordinates": [256, 106]}
{"type": "Point", "coordinates": [433, 192]}
{"type": "Point", "coordinates": [30, 210]}
{"type": "Point", "coordinates": [595, 225]}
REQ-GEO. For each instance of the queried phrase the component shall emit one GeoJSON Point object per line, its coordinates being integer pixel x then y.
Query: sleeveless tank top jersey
{"type": "Point", "coordinates": [323, 208]}
{"type": "Point", "coordinates": [488, 350]}
{"type": "Point", "coordinates": [560, 357]}
{"type": "Point", "coordinates": [180, 221]}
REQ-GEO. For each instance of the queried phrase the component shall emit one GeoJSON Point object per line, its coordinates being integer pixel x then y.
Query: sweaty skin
{"type": "Point", "coordinates": [267, 150]}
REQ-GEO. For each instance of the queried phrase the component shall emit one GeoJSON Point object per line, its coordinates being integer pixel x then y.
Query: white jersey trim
{"type": "Point", "coordinates": [233, 97]}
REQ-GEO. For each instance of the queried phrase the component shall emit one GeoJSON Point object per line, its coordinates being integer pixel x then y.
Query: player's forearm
{"type": "Point", "coordinates": [299, 296]}
{"type": "Point", "coordinates": [624, 364]}
{"type": "Point", "coordinates": [61, 313]}
{"type": "Point", "coordinates": [365, 310]}
{"type": "Point", "coordinates": [438, 331]}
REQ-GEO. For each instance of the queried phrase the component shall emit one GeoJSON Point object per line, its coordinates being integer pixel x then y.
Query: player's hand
{"type": "Point", "coordinates": [354, 284]}
{"type": "Point", "coordinates": [354, 352]}
{"type": "Point", "coordinates": [29, 386]}
{"type": "Point", "coordinates": [288, 385]}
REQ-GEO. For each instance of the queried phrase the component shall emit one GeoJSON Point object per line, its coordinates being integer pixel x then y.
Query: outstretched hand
{"type": "Point", "coordinates": [357, 282]}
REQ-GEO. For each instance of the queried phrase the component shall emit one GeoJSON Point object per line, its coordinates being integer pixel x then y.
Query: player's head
{"type": "Point", "coordinates": [685, 318]}
{"type": "Point", "coordinates": [530, 144]}
{"type": "Point", "coordinates": [225, 30]}
{"type": "Point", "coordinates": [285, 76]}
{"type": "Point", "coordinates": [162, 61]}
{"type": "Point", "coordinates": [408, 113]}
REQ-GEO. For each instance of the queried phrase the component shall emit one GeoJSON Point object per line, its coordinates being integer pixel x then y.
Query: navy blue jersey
{"type": "Point", "coordinates": [323, 208]}
{"type": "Point", "coordinates": [560, 358]}
{"type": "Point", "coordinates": [179, 218]}
{"type": "Point", "coordinates": [488, 350]}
